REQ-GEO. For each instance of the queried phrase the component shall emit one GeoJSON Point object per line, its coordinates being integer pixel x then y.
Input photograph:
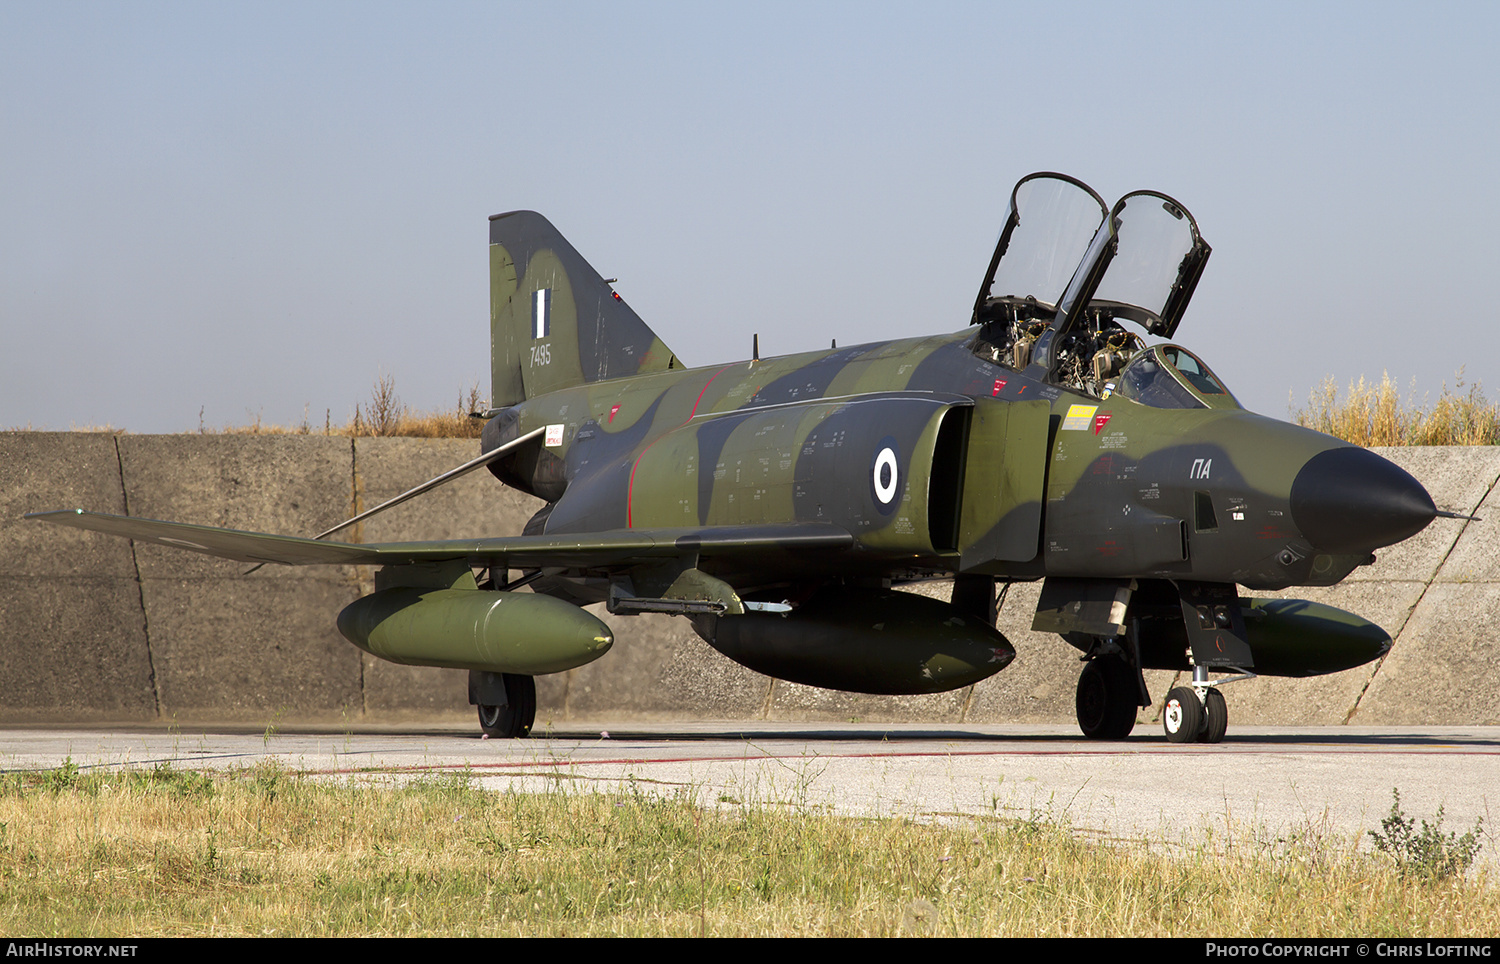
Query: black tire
{"type": "Point", "coordinates": [1107, 699]}
{"type": "Point", "coordinates": [514, 720]}
{"type": "Point", "coordinates": [1182, 716]}
{"type": "Point", "coordinates": [1216, 716]}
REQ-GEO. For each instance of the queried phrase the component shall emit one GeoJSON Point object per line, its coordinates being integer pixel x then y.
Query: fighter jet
{"type": "Point", "coordinates": [779, 504]}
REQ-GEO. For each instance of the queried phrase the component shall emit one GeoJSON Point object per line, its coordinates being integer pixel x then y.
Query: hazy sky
{"type": "Point", "coordinates": [258, 209]}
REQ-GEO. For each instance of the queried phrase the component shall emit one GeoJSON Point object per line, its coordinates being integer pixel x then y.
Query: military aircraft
{"type": "Point", "coordinates": [776, 502]}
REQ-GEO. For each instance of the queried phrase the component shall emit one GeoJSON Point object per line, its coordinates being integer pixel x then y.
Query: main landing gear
{"type": "Point", "coordinates": [1110, 688]}
{"type": "Point", "coordinates": [514, 718]}
{"type": "Point", "coordinates": [1108, 695]}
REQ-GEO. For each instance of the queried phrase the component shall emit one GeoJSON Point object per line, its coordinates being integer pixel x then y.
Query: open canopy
{"type": "Point", "coordinates": [1068, 270]}
{"type": "Point", "coordinates": [1064, 255]}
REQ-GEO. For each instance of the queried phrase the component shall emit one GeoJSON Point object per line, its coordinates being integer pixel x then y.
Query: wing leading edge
{"type": "Point", "coordinates": [602, 549]}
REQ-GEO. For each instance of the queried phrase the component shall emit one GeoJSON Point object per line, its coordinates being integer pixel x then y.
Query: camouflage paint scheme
{"type": "Point", "coordinates": [794, 440]}
{"type": "Point", "coordinates": [776, 502]}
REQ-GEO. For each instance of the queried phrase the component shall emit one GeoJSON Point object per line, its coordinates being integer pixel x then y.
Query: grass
{"type": "Point", "coordinates": [383, 414]}
{"type": "Point", "coordinates": [1370, 414]}
{"type": "Point", "coordinates": [265, 852]}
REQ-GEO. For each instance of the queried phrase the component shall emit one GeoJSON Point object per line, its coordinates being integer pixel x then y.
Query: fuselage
{"type": "Point", "coordinates": [939, 460]}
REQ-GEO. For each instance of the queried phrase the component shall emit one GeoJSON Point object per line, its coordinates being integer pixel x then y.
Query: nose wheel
{"type": "Point", "coordinates": [1215, 716]}
{"type": "Point", "coordinates": [1189, 718]}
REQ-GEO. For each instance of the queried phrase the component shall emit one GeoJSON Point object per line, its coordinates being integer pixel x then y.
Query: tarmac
{"type": "Point", "coordinates": [1265, 786]}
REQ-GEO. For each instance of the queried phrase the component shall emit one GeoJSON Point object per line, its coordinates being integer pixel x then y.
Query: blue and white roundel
{"type": "Point", "coordinates": [885, 476]}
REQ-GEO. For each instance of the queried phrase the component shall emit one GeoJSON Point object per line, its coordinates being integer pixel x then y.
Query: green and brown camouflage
{"type": "Point", "coordinates": [936, 459]}
{"type": "Point", "coordinates": [776, 502]}
{"type": "Point", "coordinates": [548, 333]}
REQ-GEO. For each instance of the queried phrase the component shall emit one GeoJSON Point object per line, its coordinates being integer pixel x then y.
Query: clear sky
{"type": "Point", "coordinates": [258, 209]}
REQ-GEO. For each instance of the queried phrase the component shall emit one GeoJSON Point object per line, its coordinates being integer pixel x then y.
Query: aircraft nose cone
{"type": "Point", "coordinates": [1350, 500]}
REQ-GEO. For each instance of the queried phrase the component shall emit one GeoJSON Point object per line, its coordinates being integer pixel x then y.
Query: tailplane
{"type": "Point", "coordinates": [554, 321]}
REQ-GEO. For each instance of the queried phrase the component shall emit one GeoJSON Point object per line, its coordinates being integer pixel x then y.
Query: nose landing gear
{"type": "Point", "coordinates": [1198, 713]}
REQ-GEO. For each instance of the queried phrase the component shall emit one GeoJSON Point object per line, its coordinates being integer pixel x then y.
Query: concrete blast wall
{"type": "Point", "coordinates": [96, 628]}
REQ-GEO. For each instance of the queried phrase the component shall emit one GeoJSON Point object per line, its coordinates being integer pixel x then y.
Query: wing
{"type": "Point", "coordinates": [620, 547]}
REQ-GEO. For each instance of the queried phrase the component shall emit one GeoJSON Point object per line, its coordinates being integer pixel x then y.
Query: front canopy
{"type": "Point", "coordinates": [1068, 272]}
{"type": "Point", "coordinates": [1062, 247]}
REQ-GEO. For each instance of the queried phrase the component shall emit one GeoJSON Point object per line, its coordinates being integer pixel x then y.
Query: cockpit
{"type": "Point", "coordinates": [1075, 287]}
{"type": "Point", "coordinates": [1169, 376]}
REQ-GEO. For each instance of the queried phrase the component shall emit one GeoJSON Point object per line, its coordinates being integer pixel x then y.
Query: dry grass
{"type": "Point", "coordinates": [1370, 414]}
{"type": "Point", "coordinates": [263, 852]}
{"type": "Point", "coordinates": [384, 414]}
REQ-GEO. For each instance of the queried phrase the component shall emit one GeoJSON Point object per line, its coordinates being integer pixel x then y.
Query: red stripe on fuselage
{"type": "Point", "coordinates": [630, 492]}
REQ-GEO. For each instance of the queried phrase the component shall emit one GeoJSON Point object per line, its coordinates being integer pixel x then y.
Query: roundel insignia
{"type": "Point", "coordinates": [885, 476]}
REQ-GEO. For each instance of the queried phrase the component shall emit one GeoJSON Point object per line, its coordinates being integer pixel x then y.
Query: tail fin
{"type": "Point", "coordinates": [554, 322]}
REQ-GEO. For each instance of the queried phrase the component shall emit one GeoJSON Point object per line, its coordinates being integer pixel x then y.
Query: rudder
{"type": "Point", "coordinates": [554, 321]}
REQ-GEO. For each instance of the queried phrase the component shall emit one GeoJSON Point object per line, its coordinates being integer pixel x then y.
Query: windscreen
{"type": "Point", "coordinates": [1194, 371]}
{"type": "Point", "coordinates": [1168, 376]}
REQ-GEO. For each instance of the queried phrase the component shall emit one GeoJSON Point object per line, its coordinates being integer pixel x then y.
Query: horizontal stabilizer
{"type": "Point", "coordinates": [621, 547]}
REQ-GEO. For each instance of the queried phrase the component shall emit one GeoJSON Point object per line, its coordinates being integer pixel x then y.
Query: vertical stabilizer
{"type": "Point", "coordinates": [554, 322]}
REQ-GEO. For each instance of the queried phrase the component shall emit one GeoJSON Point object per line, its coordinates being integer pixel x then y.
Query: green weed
{"type": "Point", "coordinates": [1428, 854]}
